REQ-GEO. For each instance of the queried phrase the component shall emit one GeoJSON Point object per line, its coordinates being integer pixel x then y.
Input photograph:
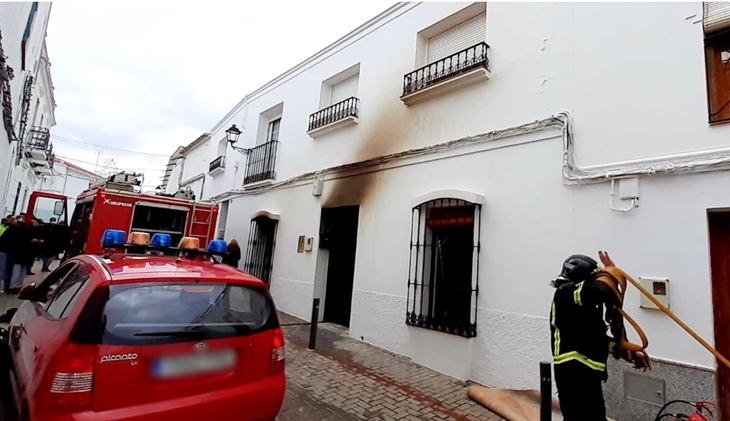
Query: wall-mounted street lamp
{"type": "Point", "coordinates": [232, 135]}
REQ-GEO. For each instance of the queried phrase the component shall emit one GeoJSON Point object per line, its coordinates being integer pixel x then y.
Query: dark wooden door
{"type": "Point", "coordinates": [343, 224]}
{"type": "Point", "coordinates": [719, 227]}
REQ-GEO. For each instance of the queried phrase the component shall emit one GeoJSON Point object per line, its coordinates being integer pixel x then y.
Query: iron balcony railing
{"type": "Point", "coordinates": [261, 164]}
{"type": "Point", "coordinates": [446, 68]}
{"type": "Point", "coordinates": [218, 163]}
{"type": "Point", "coordinates": [40, 138]}
{"type": "Point", "coordinates": [333, 113]}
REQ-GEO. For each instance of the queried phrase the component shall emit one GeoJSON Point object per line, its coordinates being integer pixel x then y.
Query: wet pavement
{"type": "Point", "coordinates": [346, 379]}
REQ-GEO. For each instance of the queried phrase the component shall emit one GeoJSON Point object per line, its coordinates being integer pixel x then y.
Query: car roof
{"type": "Point", "coordinates": [125, 267]}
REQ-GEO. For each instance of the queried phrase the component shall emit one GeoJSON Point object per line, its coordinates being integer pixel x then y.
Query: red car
{"type": "Point", "coordinates": [141, 337]}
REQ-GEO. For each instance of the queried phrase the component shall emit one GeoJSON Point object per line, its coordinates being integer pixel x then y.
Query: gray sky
{"type": "Point", "coordinates": [150, 76]}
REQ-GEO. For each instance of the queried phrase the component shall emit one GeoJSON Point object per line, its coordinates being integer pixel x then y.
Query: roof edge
{"type": "Point", "coordinates": [352, 34]}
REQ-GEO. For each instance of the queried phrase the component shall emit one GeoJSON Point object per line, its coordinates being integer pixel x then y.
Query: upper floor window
{"type": "Point", "coordinates": [453, 49]}
{"type": "Point", "coordinates": [716, 22]}
{"type": "Point", "coordinates": [218, 164]}
{"type": "Point", "coordinates": [272, 131]}
{"type": "Point", "coordinates": [338, 103]}
{"type": "Point", "coordinates": [26, 33]}
{"type": "Point", "coordinates": [261, 160]}
{"type": "Point", "coordinates": [444, 264]}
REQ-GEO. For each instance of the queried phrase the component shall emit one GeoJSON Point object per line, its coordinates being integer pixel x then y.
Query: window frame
{"type": "Point", "coordinates": [714, 42]}
{"type": "Point", "coordinates": [272, 129]}
{"type": "Point", "coordinates": [84, 280]}
{"type": "Point", "coordinates": [419, 292]}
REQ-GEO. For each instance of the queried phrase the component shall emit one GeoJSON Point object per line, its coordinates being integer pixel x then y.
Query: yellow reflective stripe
{"type": "Point", "coordinates": [576, 294]}
{"type": "Point", "coordinates": [577, 356]}
{"type": "Point", "coordinates": [557, 332]}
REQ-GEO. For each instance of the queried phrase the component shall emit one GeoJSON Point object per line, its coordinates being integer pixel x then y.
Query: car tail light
{"type": "Point", "coordinates": [73, 377]}
{"type": "Point", "coordinates": [278, 356]}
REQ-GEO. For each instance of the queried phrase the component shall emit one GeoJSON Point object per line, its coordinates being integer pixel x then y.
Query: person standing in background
{"type": "Point", "coordinates": [5, 223]}
{"type": "Point", "coordinates": [233, 255]}
{"type": "Point", "coordinates": [22, 253]}
{"type": "Point", "coordinates": [5, 245]}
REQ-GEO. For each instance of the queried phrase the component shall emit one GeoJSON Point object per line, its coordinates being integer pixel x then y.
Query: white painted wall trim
{"type": "Point", "coordinates": [467, 196]}
{"type": "Point", "coordinates": [266, 214]}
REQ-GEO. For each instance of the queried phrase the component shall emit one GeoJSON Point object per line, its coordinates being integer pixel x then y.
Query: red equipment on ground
{"type": "Point", "coordinates": [704, 411]}
{"type": "Point", "coordinates": [116, 203]}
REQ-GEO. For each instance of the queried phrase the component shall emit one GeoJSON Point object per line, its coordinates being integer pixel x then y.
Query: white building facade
{"type": "Point", "coordinates": [29, 104]}
{"type": "Point", "coordinates": [67, 179]}
{"type": "Point", "coordinates": [426, 175]}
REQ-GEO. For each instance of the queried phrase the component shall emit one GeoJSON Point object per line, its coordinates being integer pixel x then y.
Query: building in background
{"type": "Point", "coordinates": [67, 179]}
{"type": "Point", "coordinates": [175, 158]}
{"type": "Point", "coordinates": [427, 192]}
{"type": "Point", "coordinates": [26, 152]}
{"type": "Point", "coordinates": [189, 169]}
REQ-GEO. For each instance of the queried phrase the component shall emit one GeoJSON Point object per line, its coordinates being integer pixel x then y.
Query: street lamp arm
{"type": "Point", "coordinates": [244, 151]}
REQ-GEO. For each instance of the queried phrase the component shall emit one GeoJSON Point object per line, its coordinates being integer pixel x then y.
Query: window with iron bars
{"type": "Point", "coordinates": [444, 265]}
{"type": "Point", "coordinates": [261, 244]}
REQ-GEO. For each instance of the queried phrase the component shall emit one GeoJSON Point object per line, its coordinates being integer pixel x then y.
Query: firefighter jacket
{"type": "Point", "coordinates": [579, 332]}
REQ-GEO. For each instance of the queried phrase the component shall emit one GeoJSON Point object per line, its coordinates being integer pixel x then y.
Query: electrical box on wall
{"type": "Point", "coordinates": [317, 186]}
{"type": "Point", "coordinates": [628, 188]}
{"type": "Point", "coordinates": [659, 289]}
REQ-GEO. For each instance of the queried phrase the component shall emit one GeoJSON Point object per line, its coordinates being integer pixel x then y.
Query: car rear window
{"type": "Point", "coordinates": [163, 313]}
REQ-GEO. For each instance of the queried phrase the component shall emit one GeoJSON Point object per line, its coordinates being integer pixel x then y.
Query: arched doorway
{"type": "Point", "coordinates": [261, 244]}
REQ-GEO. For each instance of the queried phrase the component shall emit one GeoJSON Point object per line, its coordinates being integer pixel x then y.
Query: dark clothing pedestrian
{"type": "Point", "coordinates": [233, 254]}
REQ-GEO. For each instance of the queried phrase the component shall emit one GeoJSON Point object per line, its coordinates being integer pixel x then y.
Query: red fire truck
{"type": "Point", "coordinates": [115, 203]}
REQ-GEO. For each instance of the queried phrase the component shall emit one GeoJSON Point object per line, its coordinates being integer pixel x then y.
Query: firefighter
{"type": "Point", "coordinates": [580, 342]}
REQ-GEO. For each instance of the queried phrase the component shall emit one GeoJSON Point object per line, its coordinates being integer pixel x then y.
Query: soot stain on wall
{"type": "Point", "coordinates": [389, 132]}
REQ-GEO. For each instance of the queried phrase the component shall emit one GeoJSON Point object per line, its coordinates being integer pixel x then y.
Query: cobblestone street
{"type": "Point", "coordinates": [346, 379]}
{"type": "Point", "coordinates": [351, 380]}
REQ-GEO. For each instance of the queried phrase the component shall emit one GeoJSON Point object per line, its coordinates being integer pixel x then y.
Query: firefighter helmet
{"type": "Point", "coordinates": [577, 268]}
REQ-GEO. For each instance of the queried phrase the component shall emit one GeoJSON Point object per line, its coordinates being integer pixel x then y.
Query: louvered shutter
{"type": "Point", "coordinates": [345, 89]}
{"type": "Point", "coordinates": [716, 16]}
{"type": "Point", "coordinates": [457, 38]}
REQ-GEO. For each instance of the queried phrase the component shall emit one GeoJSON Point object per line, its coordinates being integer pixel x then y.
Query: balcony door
{"type": "Point", "coordinates": [272, 131]}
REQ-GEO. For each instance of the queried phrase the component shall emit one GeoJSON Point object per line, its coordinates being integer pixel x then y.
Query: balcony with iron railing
{"type": "Point", "coordinates": [217, 165]}
{"type": "Point", "coordinates": [38, 148]}
{"type": "Point", "coordinates": [261, 163]}
{"type": "Point", "coordinates": [466, 66]}
{"type": "Point", "coordinates": [338, 115]}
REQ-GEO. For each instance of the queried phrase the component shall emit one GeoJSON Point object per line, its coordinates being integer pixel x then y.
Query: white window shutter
{"type": "Point", "coordinates": [716, 16]}
{"type": "Point", "coordinates": [457, 38]}
{"type": "Point", "coordinates": [345, 89]}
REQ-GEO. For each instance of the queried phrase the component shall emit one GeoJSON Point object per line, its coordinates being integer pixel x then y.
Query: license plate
{"type": "Point", "coordinates": [188, 365]}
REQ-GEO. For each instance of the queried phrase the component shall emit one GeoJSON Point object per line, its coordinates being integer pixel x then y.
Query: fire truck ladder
{"type": "Point", "coordinates": [200, 224]}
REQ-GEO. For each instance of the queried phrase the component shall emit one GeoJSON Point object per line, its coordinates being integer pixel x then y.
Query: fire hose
{"type": "Point", "coordinates": [616, 279]}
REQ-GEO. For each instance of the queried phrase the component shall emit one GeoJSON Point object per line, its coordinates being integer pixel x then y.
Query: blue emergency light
{"type": "Point", "coordinates": [217, 246]}
{"type": "Point", "coordinates": [161, 240]}
{"type": "Point", "coordinates": [113, 238]}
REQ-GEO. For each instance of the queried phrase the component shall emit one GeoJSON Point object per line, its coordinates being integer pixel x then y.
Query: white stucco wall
{"type": "Point", "coordinates": [626, 103]}
{"type": "Point", "coordinates": [13, 20]}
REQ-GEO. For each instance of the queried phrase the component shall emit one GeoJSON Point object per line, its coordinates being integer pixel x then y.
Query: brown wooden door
{"type": "Point", "coordinates": [719, 227]}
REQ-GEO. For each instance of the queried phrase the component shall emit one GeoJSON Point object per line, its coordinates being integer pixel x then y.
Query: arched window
{"type": "Point", "coordinates": [261, 244]}
{"type": "Point", "coordinates": [444, 266]}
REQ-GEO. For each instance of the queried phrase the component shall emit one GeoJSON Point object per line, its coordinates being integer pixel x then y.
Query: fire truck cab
{"type": "Point", "coordinates": [115, 203]}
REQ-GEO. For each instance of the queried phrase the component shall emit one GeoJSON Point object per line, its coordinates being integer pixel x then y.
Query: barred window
{"type": "Point", "coordinates": [444, 266]}
{"type": "Point", "coordinates": [261, 244]}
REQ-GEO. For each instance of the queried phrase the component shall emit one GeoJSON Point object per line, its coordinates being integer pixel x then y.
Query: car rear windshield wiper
{"type": "Point", "coordinates": [179, 333]}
